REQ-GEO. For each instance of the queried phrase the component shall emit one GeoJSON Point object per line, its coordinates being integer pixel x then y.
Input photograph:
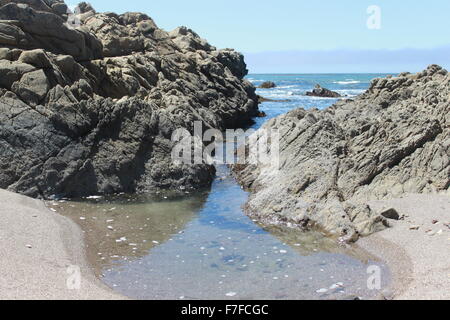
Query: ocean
{"type": "Point", "coordinates": [293, 87]}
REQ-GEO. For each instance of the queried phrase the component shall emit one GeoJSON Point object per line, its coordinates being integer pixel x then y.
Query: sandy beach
{"type": "Point", "coordinates": [41, 254]}
{"type": "Point", "coordinates": [40, 249]}
{"type": "Point", "coordinates": [416, 248]}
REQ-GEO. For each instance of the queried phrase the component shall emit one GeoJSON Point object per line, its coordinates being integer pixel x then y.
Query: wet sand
{"type": "Point", "coordinates": [41, 253]}
{"type": "Point", "coordinates": [417, 248]}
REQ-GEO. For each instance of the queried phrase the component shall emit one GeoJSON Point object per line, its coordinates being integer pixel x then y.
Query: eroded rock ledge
{"type": "Point", "coordinates": [393, 139]}
{"type": "Point", "coordinates": [88, 103]}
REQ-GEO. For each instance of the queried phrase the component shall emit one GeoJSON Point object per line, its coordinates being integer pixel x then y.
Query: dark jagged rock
{"type": "Point", "coordinates": [323, 93]}
{"type": "Point", "coordinates": [267, 85]}
{"type": "Point", "coordinates": [392, 140]}
{"type": "Point", "coordinates": [91, 109]}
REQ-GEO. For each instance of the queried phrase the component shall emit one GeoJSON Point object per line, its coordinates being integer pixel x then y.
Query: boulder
{"type": "Point", "coordinates": [37, 58]}
{"type": "Point", "coordinates": [323, 93]}
{"type": "Point", "coordinates": [267, 85]}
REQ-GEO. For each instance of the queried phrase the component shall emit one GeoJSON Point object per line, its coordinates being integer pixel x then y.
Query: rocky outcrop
{"type": "Point", "coordinates": [323, 93]}
{"type": "Point", "coordinates": [267, 85]}
{"type": "Point", "coordinates": [89, 108]}
{"type": "Point", "coordinates": [393, 139]}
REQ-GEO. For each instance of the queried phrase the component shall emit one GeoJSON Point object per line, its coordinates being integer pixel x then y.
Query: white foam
{"type": "Point", "coordinates": [347, 82]}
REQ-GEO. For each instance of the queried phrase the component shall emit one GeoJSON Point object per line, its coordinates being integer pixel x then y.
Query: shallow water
{"type": "Point", "coordinates": [202, 246]}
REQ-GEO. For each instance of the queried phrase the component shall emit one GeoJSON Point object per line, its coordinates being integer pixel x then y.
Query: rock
{"type": "Point", "coordinates": [390, 213]}
{"type": "Point", "coordinates": [323, 93]}
{"type": "Point", "coordinates": [37, 58]}
{"type": "Point", "coordinates": [59, 8]}
{"type": "Point", "coordinates": [323, 290]}
{"type": "Point", "coordinates": [414, 228]}
{"type": "Point", "coordinates": [32, 87]}
{"type": "Point", "coordinates": [91, 110]}
{"type": "Point", "coordinates": [392, 140]}
{"type": "Point", "coordinates": [11, 72]}
{"type": "Point", "coordinates": [38, 27]}
{"type": "Point", "coordinates": [267, 85]}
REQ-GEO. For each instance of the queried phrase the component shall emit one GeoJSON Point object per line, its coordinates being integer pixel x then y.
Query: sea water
{"type": "Point", "coordinates": [201, 245]}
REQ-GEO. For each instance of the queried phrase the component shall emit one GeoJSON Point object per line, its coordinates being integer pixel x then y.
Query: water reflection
{"type": "Point", "coordinates": [124, 228]}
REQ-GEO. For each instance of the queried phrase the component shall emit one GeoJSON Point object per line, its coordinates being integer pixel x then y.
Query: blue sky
{"type": "Point", "coordinates": [311, 36]}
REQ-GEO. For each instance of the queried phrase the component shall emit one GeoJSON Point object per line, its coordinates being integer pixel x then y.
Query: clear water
{"type": "Point", "coordinates": [203, 246]}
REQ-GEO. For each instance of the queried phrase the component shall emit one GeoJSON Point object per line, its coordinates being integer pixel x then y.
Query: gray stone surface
{"type": "Point", "coordinates": [393, 139]}
{"type": "Point", "coordinates": [323, 93]}
{"type": "Point", "coordinates": [92, 109]}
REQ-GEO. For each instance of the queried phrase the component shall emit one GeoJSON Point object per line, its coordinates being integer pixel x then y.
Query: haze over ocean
{"type": "Point", "coordinates": [312, 36]}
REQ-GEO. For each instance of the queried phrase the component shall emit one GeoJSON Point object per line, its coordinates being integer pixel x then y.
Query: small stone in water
{"type": "Point", "coordinates": [93, 197]}
{"type": "Point", "coordinates": [283, 251]}
{"type": "Point", "coordinates": [82, 218]}
{"type": "Point", "coordinates": [231, 294]}
{"type": "Point", "coordinates": [110, 228]}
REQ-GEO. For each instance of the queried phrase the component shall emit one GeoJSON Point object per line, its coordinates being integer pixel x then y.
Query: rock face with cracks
{"type": "Point", "coordinates": [89, 101]}
{"type": "Point", "coordinates": [392, 140]}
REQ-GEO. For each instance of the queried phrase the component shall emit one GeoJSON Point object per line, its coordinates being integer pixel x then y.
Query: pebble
{"type": "Point", "coordinates": [231, 294]}
{"type": "Point", "coordinates": [283, 251]}
{"type": "Point", "coordinates": [414, 228]}
{"type": "Point", "coordinates": [28, 246]}
{"type": "Point", "coordinates": [322, 290]}
{"type": "Point", "coordinates": [337, 285]}
{"type": "Point", "coordinates": [93, 197]}
{"type": "Point", "coordinates": [110, 228]}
